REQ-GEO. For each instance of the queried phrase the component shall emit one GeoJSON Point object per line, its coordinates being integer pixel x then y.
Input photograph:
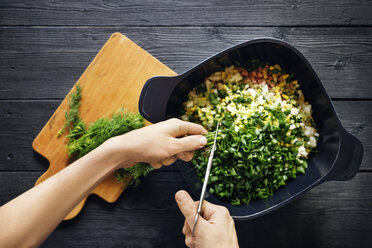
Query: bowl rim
{"type": "Point", "coordinates": [340, 128]}
{"type": "Point", "coordinates": [168, 84]}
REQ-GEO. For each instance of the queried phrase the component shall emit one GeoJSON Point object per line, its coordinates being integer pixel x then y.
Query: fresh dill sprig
{"type": "Point", "coordinates": [136, 171]}
{"type": "Point", "coordinates": [82, 140]}
{"type": "Point", "coordinates": [101, 130]}
{"type": "Point", "coordinates": [72, 115]}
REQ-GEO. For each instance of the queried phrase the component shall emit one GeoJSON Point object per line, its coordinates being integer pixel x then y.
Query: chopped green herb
{"type": "Point", "coordinates": [266, 135]}
{"type": "Point", "coordinates": [82, 140]}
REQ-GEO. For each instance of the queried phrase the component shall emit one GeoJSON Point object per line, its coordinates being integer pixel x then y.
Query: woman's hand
{"type": "Point", "coordinates": [158, 144]}
{"type": "Point", "coordinates": [52, 200]}
{"type": "Point", "coordinates": [215, 228]}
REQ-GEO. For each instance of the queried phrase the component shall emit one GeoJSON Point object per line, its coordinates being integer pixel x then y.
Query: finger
{"type": "Point", "coordinates": [186, 230]}
{"type": "Point", "coordinates": [189, 241]}
{"type": "Point", "coordinates": [156, 165]}
{"type": "Point", "coordinates": [186, 206]}
{"type": "Point", "coordinates": [190, 143]}
{"type": "Point", "coordinates": [185, 156]}
{"type": "Point", "coordinates": [168, 161]}
{"type": "Point", "coordinates": [211, 211]}
{"type": "Point", "coordinates": [182, 128]}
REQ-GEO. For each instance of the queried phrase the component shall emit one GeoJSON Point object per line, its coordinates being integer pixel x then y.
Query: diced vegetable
{"type": "Point", "coordinates": [266, 135]}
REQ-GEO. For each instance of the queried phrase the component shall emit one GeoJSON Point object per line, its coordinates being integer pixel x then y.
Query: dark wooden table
{"type": "Point", "coordinates": [46, 45]}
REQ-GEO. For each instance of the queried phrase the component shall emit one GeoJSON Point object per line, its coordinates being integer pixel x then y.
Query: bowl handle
{"type": "Point", "coordinates": [348, 159]}
{"type": "Point", "coordinates": [154, 97]}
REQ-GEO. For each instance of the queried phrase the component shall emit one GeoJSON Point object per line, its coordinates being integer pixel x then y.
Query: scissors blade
{"type": "Point", "coordinates": [206, 178]}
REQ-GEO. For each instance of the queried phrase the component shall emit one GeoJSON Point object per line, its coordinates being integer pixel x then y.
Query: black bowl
{"type": "Point", "coordinates": [340, 153]}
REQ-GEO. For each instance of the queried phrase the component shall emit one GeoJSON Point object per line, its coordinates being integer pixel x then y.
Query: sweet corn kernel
{"type": "Point", "coordinates": [264, 74]}
{"type": "Point", "coordinates": [285, 76]}
{"type": "Point", "coordinates": [275, 78]}
{"type": "Point", "coordinates": [223, 75]}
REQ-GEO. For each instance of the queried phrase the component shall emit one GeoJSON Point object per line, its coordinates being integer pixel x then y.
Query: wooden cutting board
{"type": "Point", "coordinates": [114, 79]}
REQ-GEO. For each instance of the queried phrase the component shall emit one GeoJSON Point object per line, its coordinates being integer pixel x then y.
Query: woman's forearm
{"type": "Point", "coordinates": [31, 217]}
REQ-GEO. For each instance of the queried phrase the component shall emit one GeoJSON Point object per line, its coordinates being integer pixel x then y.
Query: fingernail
{"type": "Point", "coordinates": [181, 196]}
{"type": "Point", "coordinates": [202, 140]}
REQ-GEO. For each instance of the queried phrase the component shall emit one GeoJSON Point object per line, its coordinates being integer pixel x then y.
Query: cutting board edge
{"type": "Point", "coordinates": [76, 210]}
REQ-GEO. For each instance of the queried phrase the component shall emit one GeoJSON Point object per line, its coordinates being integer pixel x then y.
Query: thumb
{"type": "Point", "coordinates": [187, 206]}
{"type": "Point", "coordinates": [190, 143]}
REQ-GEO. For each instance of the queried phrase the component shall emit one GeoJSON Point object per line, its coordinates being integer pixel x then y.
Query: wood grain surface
{"type": "Point", "coordinates": [33, 58]}
{"type": "Point", "coordinates": [46, 45]}
{"type": "Point", "coordinates": [112, 81]}
{"type": "Point", "coordinates": [186, 13]}
{"type": "Point", "coordinates": [335, 214]}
